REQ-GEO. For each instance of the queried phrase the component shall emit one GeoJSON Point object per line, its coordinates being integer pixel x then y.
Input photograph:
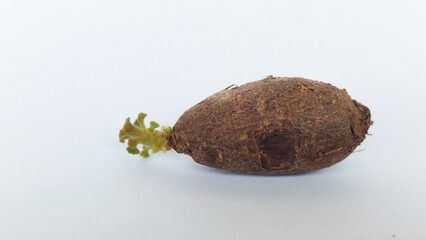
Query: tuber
{"type": "Point", "coordinates": [271, 126]}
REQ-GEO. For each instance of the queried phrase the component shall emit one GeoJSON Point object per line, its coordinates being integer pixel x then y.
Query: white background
{"type": "Point", "coordinates": [72, 71]}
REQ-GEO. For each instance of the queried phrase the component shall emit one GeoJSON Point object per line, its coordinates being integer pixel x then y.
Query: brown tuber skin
{"type": "Point", "coordinates": [272, 126]}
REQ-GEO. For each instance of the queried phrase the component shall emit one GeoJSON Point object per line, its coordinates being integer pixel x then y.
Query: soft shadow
{"type": "Point", "coordinates": [196, 179]}
{"type": "Point", "coordinates": [212, 170]}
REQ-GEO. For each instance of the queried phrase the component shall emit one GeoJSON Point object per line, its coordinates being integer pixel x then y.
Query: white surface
{"type": "Point", "coordinates": [72, 71]}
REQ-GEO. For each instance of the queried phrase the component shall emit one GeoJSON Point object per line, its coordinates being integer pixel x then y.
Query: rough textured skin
{"type": "Point", "coordinates": [272, 126]}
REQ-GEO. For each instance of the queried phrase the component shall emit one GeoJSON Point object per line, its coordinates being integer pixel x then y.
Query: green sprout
{"type": "Point", "coordinates": [136, 133]}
